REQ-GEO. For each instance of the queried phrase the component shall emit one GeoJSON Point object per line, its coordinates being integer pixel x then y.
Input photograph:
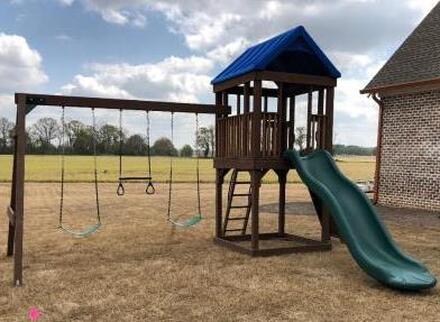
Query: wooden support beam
{"type": "Point", "coordinates": [282, 179]}
{"type": "Point", "coordinates": [117, 104]}
{"type": "Point", "coordinates": [19, 193]}
{"type": "Point", "coordinates": [282, 111]}
{"type": "Point", "coordinates": [219, 179]}
{"type": "Point", "coordinates": [321, 123]}
{"type": "Point", "coordinates": [238, 104]}
{"type": "Point", "coordinates": [256, 122]}
{"type": "Point", "coordinates": [292, 122]}
{"type": "Point", "coordinates": [309, 120]}
{"type": "Point", "coordinates": [293, 78]}
{"type": "Point", "coordinates": [234, 82]}
{"type": "Point", "coordinates": [330, 92]}
{"type": "Point", "coordinates": [246, 98]}
{"type": "Point", "coordinates": [11, 228]}
{"type": "Point", "coordinates": [256, 176]}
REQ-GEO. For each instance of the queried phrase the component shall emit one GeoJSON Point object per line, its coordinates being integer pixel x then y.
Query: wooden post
{"type": "Point", "coordinates": [265, 104]}
{"type": "Point", "coordinates": [320, 135]}
{"type": "Point", "coordinates": [246, 97]}
{"type": "Point", "coordinates": [329, 112]}
{"type": "Point", "coordinates": [282, 109]}
{"type": "Point", "coordinates": [309, 119]}
{"type": "Point", "coordinates": [282, 178]}
{"type": "Point", "coordinates": [238, 104]}
{"type": "Point", "coordinates": [255, 231]}
{"type": "Point", "coordinates": [291, 122]}
{"type": "Point", "coordinates": [256, 121]}
{"type": "Point", "coordinates": [20, 129]}
{"type": "Point", "coordinates": [11, 231]}
{"type": "Point", "coordinates": [325, 224]}
{"type": "Point", "coordinates": [219, 176]}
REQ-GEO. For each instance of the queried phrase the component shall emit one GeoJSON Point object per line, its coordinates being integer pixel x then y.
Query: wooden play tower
{"type": "Point", "coordinates": [252, 139]}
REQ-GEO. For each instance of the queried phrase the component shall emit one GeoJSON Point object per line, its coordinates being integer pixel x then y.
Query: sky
{"type": "Point", "coordinates": [170, 51]}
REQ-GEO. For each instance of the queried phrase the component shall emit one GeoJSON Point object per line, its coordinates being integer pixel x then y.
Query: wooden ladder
{"type": "Point", "coordinates": [247, 207]}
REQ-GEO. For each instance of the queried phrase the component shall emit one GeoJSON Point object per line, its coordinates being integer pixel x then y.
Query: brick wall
{"type": "Point", "coordinates": [410, 162]}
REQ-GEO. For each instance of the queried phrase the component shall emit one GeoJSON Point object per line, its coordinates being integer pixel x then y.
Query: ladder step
{"type": "Point", "coordinates": [237, 218]}
{"type": "Point", "coordinates": [242, 194]}
{"type": "Point", "coordinates": [234, 229]}
{"type": "Point", "coordinates": [242, 182]}
{"type": "Point", "coordinates": [239, 207]}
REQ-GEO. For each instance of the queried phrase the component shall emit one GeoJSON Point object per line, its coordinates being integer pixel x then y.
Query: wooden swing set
{"type": "Point", "coordinates": [25, 103]}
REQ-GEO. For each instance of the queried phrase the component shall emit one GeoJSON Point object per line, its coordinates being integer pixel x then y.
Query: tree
{"type": "Point", "coordinates": [164, 146]}
{"type": "Point", "coordinates": [43, 132]}
{"type": "Point", "coordinates": [186, 151]}
{"type": "Point", "coordinates": [72, 129]}
{"type": "Point", "coordinates": [135, 145]}
{"type": "Point", "coordinates": [6, 128]}
{"type": "Point", "coordinates": [205, 140]}
{"type": "Point", "coordinates": [83, 143]}
{"type": "Point", "coordinates": [300, 137]}
{"type": "Point", "coordinates": [108, 139]}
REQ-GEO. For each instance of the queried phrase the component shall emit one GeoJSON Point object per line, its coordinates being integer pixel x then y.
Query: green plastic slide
{"type": "Point", "coordinates": [359, 225]}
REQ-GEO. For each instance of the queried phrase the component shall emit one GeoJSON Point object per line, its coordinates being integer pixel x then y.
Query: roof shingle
{"type": "Point", "coordinates": [417, 59]}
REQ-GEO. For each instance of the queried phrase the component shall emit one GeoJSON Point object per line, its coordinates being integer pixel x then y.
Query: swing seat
{"type": "Point", "coordinates": [188, 222]}
{"type": "Point", "coordinates": [82, 233]}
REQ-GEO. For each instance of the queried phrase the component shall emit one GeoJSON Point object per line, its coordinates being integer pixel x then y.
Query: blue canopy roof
{"type": "Point", "coordinates": [293, 51]}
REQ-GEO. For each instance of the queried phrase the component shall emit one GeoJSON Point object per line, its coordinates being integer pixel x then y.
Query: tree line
{"type": "Point", "coordinates": [46, 136]}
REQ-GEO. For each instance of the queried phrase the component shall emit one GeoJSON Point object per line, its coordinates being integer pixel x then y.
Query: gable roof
{"type": "Point", "coordinates": [416, 60]}
{"type": "Point", "coordinates": [293, 51]}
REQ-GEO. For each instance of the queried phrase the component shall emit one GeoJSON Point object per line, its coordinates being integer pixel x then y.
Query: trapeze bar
{"type": "Point", "coordinates": [134, 178]}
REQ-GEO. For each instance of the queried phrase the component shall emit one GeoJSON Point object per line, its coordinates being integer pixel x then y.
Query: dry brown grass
{"type": "Point", "coordinates": [137, 268]}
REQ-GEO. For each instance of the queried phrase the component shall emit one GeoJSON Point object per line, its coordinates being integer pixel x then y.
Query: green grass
{"type": "Point", "coordinates": [41, 168]}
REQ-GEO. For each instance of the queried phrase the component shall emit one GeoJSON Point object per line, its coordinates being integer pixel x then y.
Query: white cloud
{"type": "Point", "coordinates": [66, 2]}
{"type": "Point", "coordinates": [20, 65]}
{"type": "Point", "coordinates": [7, 107]}
{"type": "Point", "coordinates": [224, 54]}
{"type": "Point", "coordinates": [170, 79]}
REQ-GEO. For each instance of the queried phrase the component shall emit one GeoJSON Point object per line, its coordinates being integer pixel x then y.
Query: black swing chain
{"type": "Point", "coordinates": [120, 191]}
{"type": "Point", "coordinates": [95, 161]}
{"type": "Point", "coordinates": [63, 152]}
{"type": "Point", "coordinates": [149, 190]}
{"type": "Point", "coordinates": [199, 207]}
{"type": "Point", "coordinates": [170, 184]}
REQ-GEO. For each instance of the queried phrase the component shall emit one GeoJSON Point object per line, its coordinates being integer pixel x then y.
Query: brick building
{"type": "Point", "coordinates": [407, 89]}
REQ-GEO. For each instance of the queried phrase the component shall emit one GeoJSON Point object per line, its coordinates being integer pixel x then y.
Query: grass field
{"type": "Point", "coordinates": [139, 268]}
{"type": "Point", "coordinates": [79, 168]}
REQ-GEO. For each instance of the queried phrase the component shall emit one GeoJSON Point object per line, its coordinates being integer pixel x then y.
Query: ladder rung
{"type": "Point", "coordinates": [239, 207]}
{"type": "Point", "coordinates": [237, 218]}
{"type": "Point", "coordinates": [234, 229]}
{"type": "Point", "coordinates": [242, 194]}
{"type": "Point", "coordinates": [242, 182]}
